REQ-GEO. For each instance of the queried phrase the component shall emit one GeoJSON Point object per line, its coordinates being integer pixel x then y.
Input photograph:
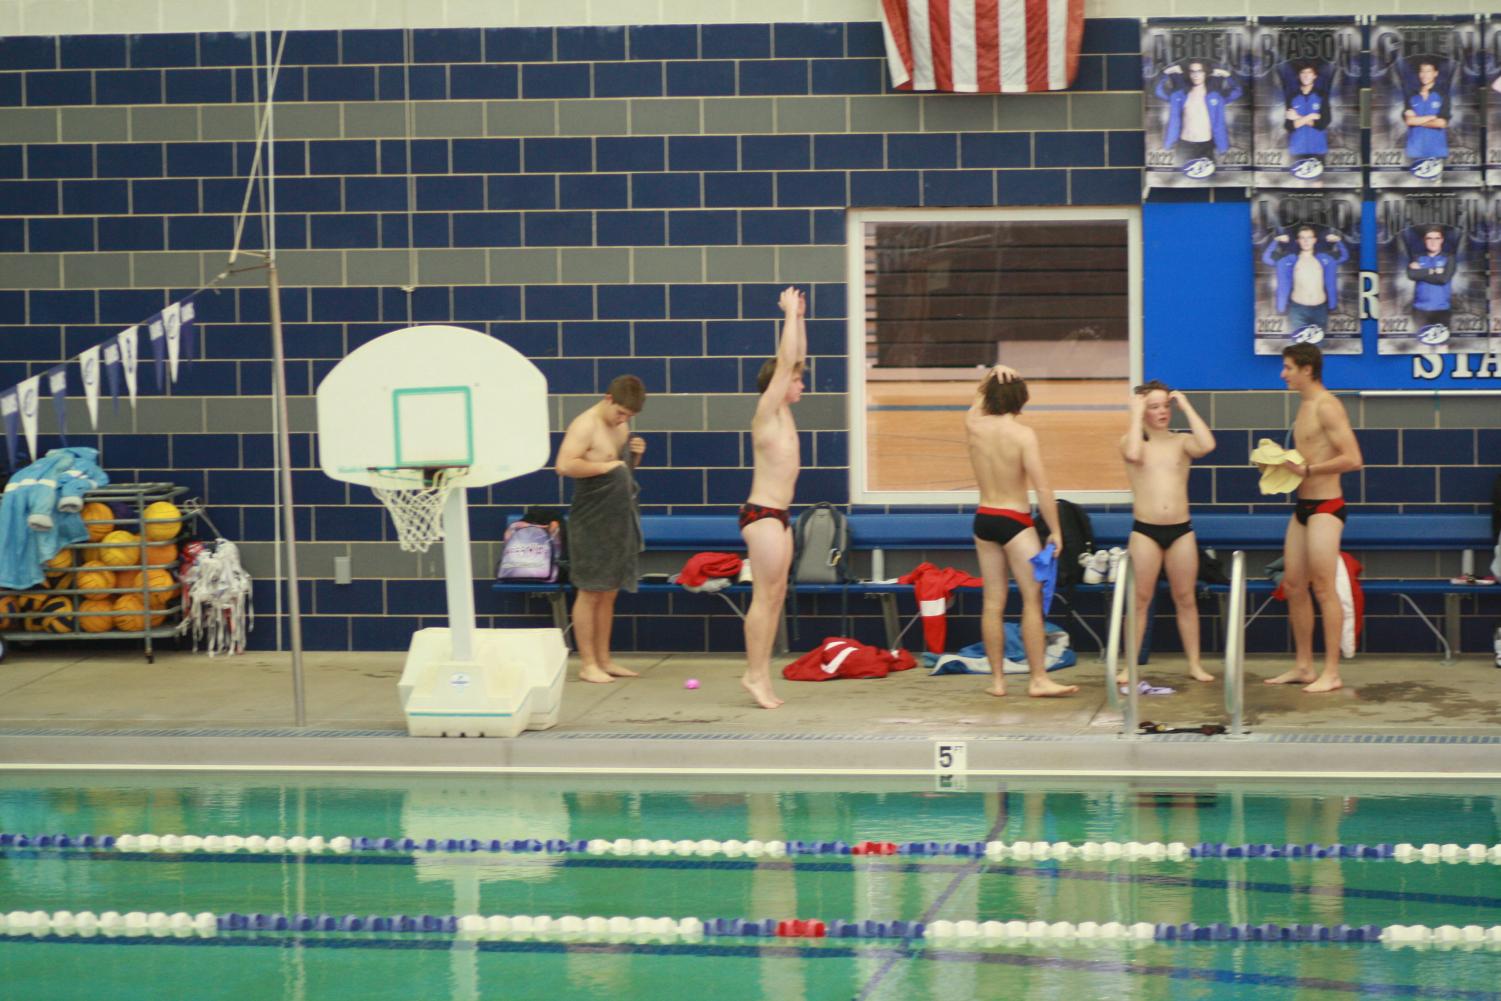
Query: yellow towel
{"type": "Point", "coordinates": [1270, 458]}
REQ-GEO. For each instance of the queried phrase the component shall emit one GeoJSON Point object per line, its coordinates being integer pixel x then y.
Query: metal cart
{"type": "Point", "coordinates": [137, 497]}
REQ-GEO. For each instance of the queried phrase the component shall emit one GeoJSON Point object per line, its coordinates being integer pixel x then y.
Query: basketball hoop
{"type": "Point", "coordinates": [415, 496]}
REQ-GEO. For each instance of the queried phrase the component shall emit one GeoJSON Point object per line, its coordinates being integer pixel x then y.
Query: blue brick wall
{"type": "Point", "coordinates": [121, 204]}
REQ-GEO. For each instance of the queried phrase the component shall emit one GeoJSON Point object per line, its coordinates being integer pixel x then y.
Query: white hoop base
{"type": "Point", "coordinates": [415, 497]}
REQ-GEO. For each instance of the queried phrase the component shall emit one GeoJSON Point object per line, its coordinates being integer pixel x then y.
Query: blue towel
{"type": "Point", "coordinates": [1045, 570]}
{"type": "Point", "coordinates": [971, 659]}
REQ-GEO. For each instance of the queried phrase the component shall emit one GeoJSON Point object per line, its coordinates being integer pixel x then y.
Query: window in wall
{"type": "Point", "coordinates": [939, 296]}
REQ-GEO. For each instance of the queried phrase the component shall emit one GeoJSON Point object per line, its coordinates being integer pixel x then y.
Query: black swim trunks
{"type": "Point", "coordinates": [750, 513]}
{"type": "Point", "coordinates": [1163, 535]}
{"type": "Point", "coordinates": [999, 524]}
{"type": "Point", "coordinates": [1307, 508]}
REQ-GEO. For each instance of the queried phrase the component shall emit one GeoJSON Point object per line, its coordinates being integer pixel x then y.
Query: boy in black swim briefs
{"type": "Point", "coordinates": [1162, 537]}
{"type": "Point", "coordinates": [1004, 454]}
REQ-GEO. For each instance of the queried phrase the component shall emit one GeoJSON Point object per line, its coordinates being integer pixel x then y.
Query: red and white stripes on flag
{"type": "Point", "coordinates": [982, 46]}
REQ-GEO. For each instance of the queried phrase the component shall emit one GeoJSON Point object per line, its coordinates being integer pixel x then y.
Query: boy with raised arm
{"type": "Point", "coordinates": [1157, 462]}
{"type": "Point", "coordinates": [1322, 436]}
{"type": "Point", "coordinates": [1005, 457]}
{"type": "Point", "coordinates": [763, 517]}
{"type": "Point", "coordinates": [604, 524]}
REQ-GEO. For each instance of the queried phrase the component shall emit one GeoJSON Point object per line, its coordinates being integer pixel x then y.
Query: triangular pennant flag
{"type": "Point", "coordinates": [157, 335]}
{"type": "Point", "coordinates": [10, 407]}
{"type": "Point", "coordinates": [57, 385]}
{"type": "Point", "coordinates": [27, 391]}
{"type": "Point", "coordinates": [111, 351]}
{"type": "Point", "coordinates": [130, 358]}
{"type": "Point", "coordinates": [111, 368]}
{"type": "Point", "coordinates": [88, 371]}
{"type": "Point", "coordinates": [172, 322]}
{"type": "Point", "coordinates": [189, 317]}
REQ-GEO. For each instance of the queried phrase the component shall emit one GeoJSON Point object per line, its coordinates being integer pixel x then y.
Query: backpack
{"type": "Point", "coordinates": [820, 542]}
{"type": "Point", "coordinates": [557, 521]}
{"type": "Point", "coordinates": [529, 552]}
{"type": "Point", "coordinates": [1078, 538]}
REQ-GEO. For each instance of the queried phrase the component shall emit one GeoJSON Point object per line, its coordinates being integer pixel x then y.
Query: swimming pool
{"type": "Point", "coordinates": [331, 914]}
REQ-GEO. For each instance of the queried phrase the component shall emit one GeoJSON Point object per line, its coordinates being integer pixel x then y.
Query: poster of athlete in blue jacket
{"type": "Point", "coordinates": [1493, 102]}
{"type": "Point", "coordinates": [1426, 92]}
{"type": "Point", "coordinates": [1432, 261]}
{"type": "Point", "coordinates": [1307, 246]}
{"type": "Point", "coordinates": [1196, 85]}
{"type": "Point", "coordinates": [1307, 102]}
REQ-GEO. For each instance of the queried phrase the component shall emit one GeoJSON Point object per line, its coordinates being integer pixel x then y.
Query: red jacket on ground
{"type": "Point", "coordinates": [932, 586]}
{"type": "Point", "coordinates": [836, 657]}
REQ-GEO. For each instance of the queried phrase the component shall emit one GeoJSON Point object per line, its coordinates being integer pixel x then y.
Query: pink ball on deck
{"type": "Point", "coordinates": [691, 683]}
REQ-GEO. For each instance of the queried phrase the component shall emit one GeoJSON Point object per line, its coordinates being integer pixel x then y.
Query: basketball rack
{"type": "Point", "coordinates": [137, 497]}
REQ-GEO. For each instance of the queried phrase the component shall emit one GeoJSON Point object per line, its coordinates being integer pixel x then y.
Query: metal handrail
{"type": "Point", "coordinates": [1235, 646]}
{"type": "Point", "coordinates": [1123, 614]}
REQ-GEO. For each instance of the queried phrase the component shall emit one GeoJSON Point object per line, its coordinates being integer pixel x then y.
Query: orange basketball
{"type": "Point", "coordinates": [161, 584]}
{"type": "Point", "coordinates": [120, 549]}
{"type": "Point", "coordinates": [160, 555]}
{"type": "Point", "coordinates": [94, 576]}
{"type": "Point", "coordinates": [133, 623]}
{"type": "Point", "coordinates": [94, 617]}
{"type": "Point", "coordinates": [98, 519]}
{"type": "Point", "coordinates": [63, 560]}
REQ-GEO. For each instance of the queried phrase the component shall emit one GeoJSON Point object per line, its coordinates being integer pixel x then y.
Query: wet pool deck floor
{"type": "Point", "coordinates": [1406, 714]}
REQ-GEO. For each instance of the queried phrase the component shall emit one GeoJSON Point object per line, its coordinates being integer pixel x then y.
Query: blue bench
{"type": "Point", "coordinates": [875, 535]}
{"type": "Point", "coordinates": [1223, 533]}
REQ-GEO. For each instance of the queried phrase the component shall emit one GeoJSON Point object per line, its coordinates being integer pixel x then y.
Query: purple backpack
{"type": "Point", "coordinates": [529, 552]}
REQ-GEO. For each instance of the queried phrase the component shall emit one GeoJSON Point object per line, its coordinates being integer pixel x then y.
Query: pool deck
{"type": "Point", "coordinates": [71, 708]}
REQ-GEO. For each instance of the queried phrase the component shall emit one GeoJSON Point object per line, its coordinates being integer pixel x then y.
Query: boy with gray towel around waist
{"type": "Point", "coordinates": [604, 524]}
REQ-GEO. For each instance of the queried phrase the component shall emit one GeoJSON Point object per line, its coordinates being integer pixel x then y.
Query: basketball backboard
{"type": "Point", "coordinates": [433, 396]}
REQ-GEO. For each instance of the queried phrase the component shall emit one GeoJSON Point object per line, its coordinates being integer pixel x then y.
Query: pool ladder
{"type": "Point", "coordinates": [1123, 615]}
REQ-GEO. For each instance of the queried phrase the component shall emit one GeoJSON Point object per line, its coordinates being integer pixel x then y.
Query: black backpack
{"type": "Point", "coordinates": [820, 546]}
{"type": "Point", "coordinates": [1078, 538]}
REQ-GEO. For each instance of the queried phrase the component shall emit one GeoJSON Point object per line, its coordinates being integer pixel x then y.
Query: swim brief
{"type": "Point", "coordinates": [1000, 525]}
{"type": "Point", "coordinates": [1307, 508]}
{"type": "Point", "coordinates": [750, 513]}
{"type": "Point", "coordinates": [1163, 535]}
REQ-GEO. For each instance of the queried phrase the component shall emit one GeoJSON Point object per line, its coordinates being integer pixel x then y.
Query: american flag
{"type": "Point", "coordinates": [982, 46]}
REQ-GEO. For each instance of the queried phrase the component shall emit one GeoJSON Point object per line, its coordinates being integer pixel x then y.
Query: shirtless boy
{"type": "Point", "coordinates": [1321, 433]}
{"type": "Point", "coordinates": [1157, 462]}
{"type": "Point", "coordinates": [763, 517]}
{"type": "Point", "coordinates": [1005, 457]}
{"type": "Point", "coordinates": [604, 525]}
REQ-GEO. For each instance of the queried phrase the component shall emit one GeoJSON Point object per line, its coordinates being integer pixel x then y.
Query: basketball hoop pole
{"type": "Point", "coordinates": [458, 573]}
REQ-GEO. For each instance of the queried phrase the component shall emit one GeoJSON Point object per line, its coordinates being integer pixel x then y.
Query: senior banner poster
{"type": "Point", "coordinates": [1432, 259]}
{"type": "Point", "coordinates": [1427, 81]}
{"type": "Point", "coordinates": [1307, 246]}
{"type": "Point", "coordinates": [1307, 103]}
{"type": "Point", "coordinates": [1196, 85]}
{"type": "Point", "coordinates": [1493, 259]}
{"type": "Point", "coordinates": [1493, 102]}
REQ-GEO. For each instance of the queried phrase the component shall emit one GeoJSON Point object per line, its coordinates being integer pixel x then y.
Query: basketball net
{"type": "Point", "coordinates": [416, 504]}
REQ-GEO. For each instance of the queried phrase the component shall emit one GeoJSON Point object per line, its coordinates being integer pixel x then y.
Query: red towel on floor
{"type": "Point", "coordinates": [837, 657]}
{"type": "Point", "coordinates": [701, 567]}
{"type": "Point", "coordinates": [932, 586]}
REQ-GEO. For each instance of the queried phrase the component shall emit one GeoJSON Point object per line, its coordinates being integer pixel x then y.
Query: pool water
{"type": "Point", "coordinates": [378, 965]}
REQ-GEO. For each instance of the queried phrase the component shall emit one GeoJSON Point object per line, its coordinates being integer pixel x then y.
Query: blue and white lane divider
{"type": "Point", "coordinates": [596, 929]}
{"type": "Point", "coordinates": [1109, 851]}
